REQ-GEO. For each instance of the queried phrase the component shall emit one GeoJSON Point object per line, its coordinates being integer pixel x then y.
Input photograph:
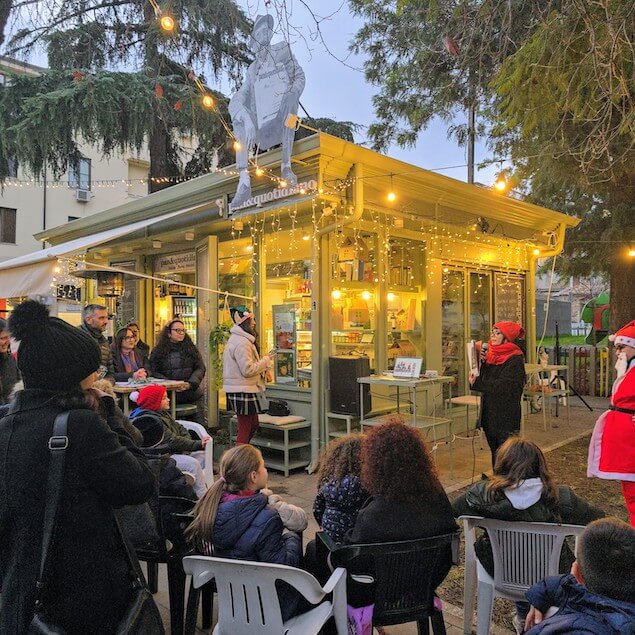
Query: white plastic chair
{"type": "Point", "coordinates": [524, 553]}
{"type": "Point", "coordinates": [248, 602]}
{"type": "Point", "coordinates": [201, 433]}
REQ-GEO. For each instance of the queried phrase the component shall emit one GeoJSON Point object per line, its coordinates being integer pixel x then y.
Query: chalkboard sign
{"type": "Point", "coordinates": [509, 298]}
{"type": "Point", "coordinates": [127, 303]}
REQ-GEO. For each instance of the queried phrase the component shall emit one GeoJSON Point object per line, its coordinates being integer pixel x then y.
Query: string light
{"type": "Point", "coordinates": [631, 252]}
{"type": "Point", "coordinates": [208, 102]}
{"type": "Point", "coordinates": [167, 23]}
{"type": "Point", "coordinates": [391, 196]}
{"type": "Point", "coordinates": [501, 184]}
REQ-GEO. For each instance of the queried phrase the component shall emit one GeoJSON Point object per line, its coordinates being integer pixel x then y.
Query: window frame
{"type": "Point", "coordinates": [75, 175]}
{"type": "Point", "coordinates": [4, 213]}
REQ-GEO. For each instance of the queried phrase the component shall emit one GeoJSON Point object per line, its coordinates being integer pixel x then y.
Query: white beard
{"type": "Point", "coordinates": [621, 365]}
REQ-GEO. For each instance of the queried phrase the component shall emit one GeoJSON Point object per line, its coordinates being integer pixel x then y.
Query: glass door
{"type": "Point", "coordinates": [453, 328]}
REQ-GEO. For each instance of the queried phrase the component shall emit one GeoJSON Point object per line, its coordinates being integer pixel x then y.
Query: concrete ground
{"type": "Point", "coordinates": [470, 458]}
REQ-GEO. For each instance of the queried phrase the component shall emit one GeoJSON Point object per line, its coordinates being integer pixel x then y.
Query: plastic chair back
{"type": "Point", "coordinates": [201, 432]}
{"type": "Point", "coordinates": [405, 573]}
{"type": "Point", "coordinates": [248, 601]}
{"type": "Point", "coordinates": [524, 553]}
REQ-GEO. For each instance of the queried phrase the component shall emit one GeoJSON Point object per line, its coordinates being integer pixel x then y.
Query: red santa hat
{"type": "Point", "coordinates": [511, 330]}
{"type": "Point", "coordinates": [625, 336]}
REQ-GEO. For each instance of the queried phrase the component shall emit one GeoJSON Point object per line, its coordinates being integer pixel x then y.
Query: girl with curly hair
{"type": "Point", "coordinates": [523, 489]}
{"type": "Point", "coordinates": [176, 357]}
{"type": "Point", "coordinates": [407, 499]}
{"type": "Point", "coordinates": [339, 498]}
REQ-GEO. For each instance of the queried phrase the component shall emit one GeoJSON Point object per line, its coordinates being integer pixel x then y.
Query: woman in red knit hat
{"type": "Point", "coordinates": [612, 448]}
{"type": "Point", "coordinates": [501, 381]}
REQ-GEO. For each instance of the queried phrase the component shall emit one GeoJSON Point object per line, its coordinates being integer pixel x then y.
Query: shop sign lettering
{"type": "Point", "coordinates": [175, 262]}
{"type": "Point", "coordinates": [276, 194]}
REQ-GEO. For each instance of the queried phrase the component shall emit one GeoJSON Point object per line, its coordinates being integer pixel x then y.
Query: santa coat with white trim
{"type": "Point", "coordinates": [612, 447]}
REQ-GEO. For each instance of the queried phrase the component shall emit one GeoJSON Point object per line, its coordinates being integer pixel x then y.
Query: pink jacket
{"type": "Point", "coordinates": [242, 367]}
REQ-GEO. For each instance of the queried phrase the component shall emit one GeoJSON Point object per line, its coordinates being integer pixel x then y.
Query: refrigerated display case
{"type": "Point", "coordinates": [292, 343]}
{"type": "Point", "coordinates": [183, 307]}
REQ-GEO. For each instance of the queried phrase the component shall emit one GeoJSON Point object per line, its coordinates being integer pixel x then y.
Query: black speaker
{"type": "Point", "coordinates": [343, 373]}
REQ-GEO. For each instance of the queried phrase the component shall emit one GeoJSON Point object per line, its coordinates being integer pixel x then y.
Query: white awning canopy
{"type": "Point", "coordinates": [32, 274]}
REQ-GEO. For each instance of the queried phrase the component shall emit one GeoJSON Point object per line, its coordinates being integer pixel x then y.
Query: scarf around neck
{"type": "Point", "coordinates": [499, 354]}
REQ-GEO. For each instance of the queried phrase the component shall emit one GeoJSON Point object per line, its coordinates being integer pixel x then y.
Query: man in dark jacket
{"type": "Point", "coordinates": [94, 322]}
{"type": "Point", "coordinates": [9, 373]}
{"type": "Point", "coordinates": [598, 597]}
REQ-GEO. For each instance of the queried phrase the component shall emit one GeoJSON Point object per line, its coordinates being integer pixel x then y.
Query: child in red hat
{"type": "Point", "coordinates": [612, 447]}
{"type": "Point", "coordinates": [153, 402]}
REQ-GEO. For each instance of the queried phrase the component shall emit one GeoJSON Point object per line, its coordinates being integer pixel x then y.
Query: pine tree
{"type": "Point", "coordinates": [553, 83]}
{"type": "Point", "coordinates": [156, 102]}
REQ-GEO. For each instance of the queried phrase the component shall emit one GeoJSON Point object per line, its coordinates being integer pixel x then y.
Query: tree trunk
{"type": "Point", "coordinates": [5, 9]}
{"type": "Point", "coordinates": [622, 281]}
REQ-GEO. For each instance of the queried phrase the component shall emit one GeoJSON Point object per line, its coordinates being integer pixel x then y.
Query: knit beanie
{"type": "Point", "coordinates": [52, 354]}
{"type": "Point", "coordinates": [511, 330]}
{"type": "Point", "coordinates": [151, 427]}
{"type": "Point", "coordinates": [150, 397]}
{"type": "Point", "coordinates": [240, 313]}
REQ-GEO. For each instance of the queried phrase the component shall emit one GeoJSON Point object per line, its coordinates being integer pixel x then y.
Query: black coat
{"type": "Point", "coordinates": [120, 372]}
{"type": "Point", "coordinates": [179, 364]}
{"type": "Point", "coordinates": [88, 577]}
{"type": "Point", "coordinates": [501, 386]}
{"type": "Point", "coordinates": [9, 376]}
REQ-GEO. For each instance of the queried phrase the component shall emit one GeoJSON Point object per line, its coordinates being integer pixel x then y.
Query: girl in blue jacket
{"type": "Point", "coordinates": [234, 519]}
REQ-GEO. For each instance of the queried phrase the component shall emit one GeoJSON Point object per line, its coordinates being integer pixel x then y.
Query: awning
{"type": "Point", "coordinates": [32, 274]}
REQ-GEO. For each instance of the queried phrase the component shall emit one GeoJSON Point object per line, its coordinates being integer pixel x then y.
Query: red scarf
{"type": "Point", "coordinates": [499, 354]}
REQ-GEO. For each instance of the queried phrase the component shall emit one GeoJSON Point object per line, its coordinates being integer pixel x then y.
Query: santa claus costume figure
{"type": "Point", "coordinates": [612, 448]}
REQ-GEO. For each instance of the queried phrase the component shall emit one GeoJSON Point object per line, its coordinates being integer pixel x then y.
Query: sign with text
{"type": "Point", "coordinates": [171, 263]}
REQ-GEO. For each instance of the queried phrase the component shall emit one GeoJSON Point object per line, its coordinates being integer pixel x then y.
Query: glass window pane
{"type": "Point", "coordinates": [354, 288]}
{"type": "Point", "coordinates": [287, 304]}
{"type": "Point", "coordinates": [480, 306]}
{"type": "Point", "coordinates": [453, 328]}
{"type": "Point", "coordinates": [405, 280]}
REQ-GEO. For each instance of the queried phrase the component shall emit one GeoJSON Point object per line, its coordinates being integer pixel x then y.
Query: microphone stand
{"type": "Point", "coordinates": [567, 384]}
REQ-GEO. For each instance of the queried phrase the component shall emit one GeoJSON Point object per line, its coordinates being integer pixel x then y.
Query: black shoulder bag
{"type": "Point", "coordinates": [142, 615]}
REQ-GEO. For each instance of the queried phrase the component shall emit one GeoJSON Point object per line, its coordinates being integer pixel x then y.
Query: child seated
{"type": "Point", "coordinates": [154, 399]}
{"type": "Point", "coordinates": [339, 498]}
{"type": "Point", "coordinates": [598, 597]}
{"type": "Point", "coordinates": [235, 520]}
{"type": "Point", "coordinates": [154, 405]}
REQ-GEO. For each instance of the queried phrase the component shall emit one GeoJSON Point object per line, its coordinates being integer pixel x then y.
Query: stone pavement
{"type": "Point", "coordinates": [471, 457]}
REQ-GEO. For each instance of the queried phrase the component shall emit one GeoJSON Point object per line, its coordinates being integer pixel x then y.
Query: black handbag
{"type": "Point", "coordinates": [142, 615]}
{"type": "Point", "coordinates": [278, 408]}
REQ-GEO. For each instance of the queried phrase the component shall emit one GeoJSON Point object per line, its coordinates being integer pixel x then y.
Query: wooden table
{"type": "Point", "coordinates": [124, 388]}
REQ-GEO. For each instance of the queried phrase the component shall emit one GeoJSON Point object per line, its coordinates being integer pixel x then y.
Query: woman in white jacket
{"type": "Point", "coordinates": [244, 373]}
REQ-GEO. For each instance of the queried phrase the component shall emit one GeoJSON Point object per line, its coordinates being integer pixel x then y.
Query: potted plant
{"type": "Point", "coordinates": [218, 337]}
{"type": "Point", "coordinates": [221, 443]}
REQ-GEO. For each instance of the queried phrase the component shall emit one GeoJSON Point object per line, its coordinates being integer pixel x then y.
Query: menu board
{"type": "Point", "coordinates": [509, 298]}
{"type": "Point", "coordinates": [127, 303]}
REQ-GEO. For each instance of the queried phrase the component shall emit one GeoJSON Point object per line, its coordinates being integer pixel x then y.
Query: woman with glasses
{"type": "Point", "coordinates": [612, 448]}
{"type": "Point", "coordinates": [129, 361]}
{"type": "Point", "coordinates": [176, 357]}
{"type": "Point", "coordinates": [501, 381]}
{"type": "Point", "coordinates": [139, 343]}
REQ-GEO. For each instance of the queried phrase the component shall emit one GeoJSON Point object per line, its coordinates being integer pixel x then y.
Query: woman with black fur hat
{"type": "Point", "coordinates": [87, 584]}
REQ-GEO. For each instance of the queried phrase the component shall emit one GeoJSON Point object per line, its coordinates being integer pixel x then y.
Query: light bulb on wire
{"type": "Point", "coordinates": [167, 23]}
{"type": "Point", "coordinates": [631, 252]}
{"type": "Point", "coordinates": [501, 184]}
{"type": "Point", "coordinates": [237, 146]}
{"type": "Point", "coordinates": [208, 102]}
{"type": "Point", "coordinates": [391, 196]}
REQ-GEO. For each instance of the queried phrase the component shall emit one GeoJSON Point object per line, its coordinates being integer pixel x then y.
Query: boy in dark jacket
{"type": "Point", "coordinates": [154, 400]}
{"type": "Point", "coordinates": [598, 597]}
